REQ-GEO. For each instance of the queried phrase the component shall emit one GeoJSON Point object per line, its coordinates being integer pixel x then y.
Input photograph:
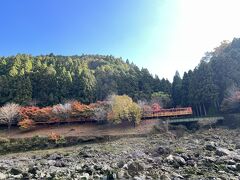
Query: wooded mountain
{"type": "Point", "coordinates": [49, 79]}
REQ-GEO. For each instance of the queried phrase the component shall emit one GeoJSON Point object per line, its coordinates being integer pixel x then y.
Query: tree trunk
{"type": "Point", "coordinates": [9, 126]}
{"type": "Point", "coordinates": [218, 106]}
{"type": "Point", "coordinates": [197, 112]}
{"type": "Point", "coordinates": [200, 110]}
{"type": "Point", "coordinates": [215, 105]}
{"type": "Point", "coordinates": [205, 112]}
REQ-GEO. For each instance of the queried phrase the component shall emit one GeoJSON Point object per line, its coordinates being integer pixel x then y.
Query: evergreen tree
{"type": "Point", "coordinates": [88, 82]}
{"type": "Point", "coordinates": [177, 90]}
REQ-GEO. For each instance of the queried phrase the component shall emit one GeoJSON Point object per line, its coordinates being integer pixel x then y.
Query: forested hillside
{"type": "Point", "coordinates": [49, 79]}
{"type": "Point", "coordinates": [214, 80]}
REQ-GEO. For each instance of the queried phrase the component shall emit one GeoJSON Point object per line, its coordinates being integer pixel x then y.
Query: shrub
{"type": "Point", "coordinates": [38, 114]}
{"type": "Point", "coordinates": [179, 150]}
{"type": "Point", "coordinates": [101, 109]}
{"type": "Point", "coordinates": [81, 111]}
{"type": "Point", "coordinates": [57, 138]}
{"type": "Point", "coordinates": [62, 111]}
{"type": "Point", "coordinates": [135, 113]}
{"type": "Point", "coordinates": [9, 114]}
{"type": "Point", "coordinates": [123, 108]}
{"type": "Point", "coordinates": [156, 107]}
{"type": "Point", "coordinates": [54, 136]}
{"type": "Point", "coordinates": [4, 140]}
{"type": "Point", "coordinates": [26, 124]}
{"type": "Point", "coordinates": [28, 112]}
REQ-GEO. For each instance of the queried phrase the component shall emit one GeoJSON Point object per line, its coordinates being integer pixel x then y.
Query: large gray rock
{"type": "Point", "coordinates": [170, 159]}
{"type": "Point", "coordinates": [134, 168]}
{"type": "Point", "coordinates": [238, 167]}
{"type": "Point", "coordinates": [120, 174]}
{"type": "Point", "coordinates": [179, 160]}
{"type": "Point", "coordinates": [60, 163]}
{"type": "Point", "coordinates": [84, 176]}
{"type": "Point", "coordinates": [162, 150]}
{"type": "Point", "coordinates": [209, 159]}
{"type": "Point", "coordinates": [3, 176]}
{"type": "Point", "coordinates": [237, 146]}
{"type": "Point", "coordinates": [165, 177]}
{"type": "Point", "coordinates": [231, 167]}
{"type": "Point", "coordinates": [138, 154]}
{"type": "Point", "coordinates": [51, 162]}
{"type": "Point", "coordinates": [120, 164]}
{"type": "Point", "coordinates": [54, 156]}
{"type": "Point", "coordinates": [33, 169]}
{"type": "Point", "coordinates": [15, 171]}
{"type": "Point", "coordinates": [137, 178]}
{"type": "Point", "coordinates": [191, 163]}
{"type": "Point", "coordinates": [211, 146]}
{"type": "Point", "coordinates": [85, 154]}
{"type": "Point", "coordinates": [223, 152]}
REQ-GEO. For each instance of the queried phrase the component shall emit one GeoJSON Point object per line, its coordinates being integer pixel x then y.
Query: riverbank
{"type": "Point", "coordinates": [206, 154]}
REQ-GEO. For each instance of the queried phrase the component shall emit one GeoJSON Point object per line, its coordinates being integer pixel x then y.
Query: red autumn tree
{"type": "Point", "coordinates": [156, 107]}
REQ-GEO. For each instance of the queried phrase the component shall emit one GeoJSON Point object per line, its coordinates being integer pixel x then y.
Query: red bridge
{"type": "Point", "coordinates": [173, 112]}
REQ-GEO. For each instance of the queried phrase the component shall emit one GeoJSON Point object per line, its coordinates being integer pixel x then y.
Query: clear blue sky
{"type": "Point", "coordinates": [143, 31]}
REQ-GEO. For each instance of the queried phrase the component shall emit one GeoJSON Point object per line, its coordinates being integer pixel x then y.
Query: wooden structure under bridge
{"type": "Point", "coordinates": [177, 115]}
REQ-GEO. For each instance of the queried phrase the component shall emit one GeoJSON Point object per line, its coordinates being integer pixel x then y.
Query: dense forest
{"type": "Point", "coordinates": [213, 83]}
{"type": "Point", "coordinates": [47, 80]}
{"type": "Point", "coordinates": [51, 79]}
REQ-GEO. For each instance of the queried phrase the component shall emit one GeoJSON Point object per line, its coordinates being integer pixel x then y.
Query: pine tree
{"type": "Point", "coordinates": [177, 90]}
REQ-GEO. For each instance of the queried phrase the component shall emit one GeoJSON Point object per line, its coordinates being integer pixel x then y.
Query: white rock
{"type": "Point", "coordinates": [223, 152]}
{"type": "Point", "coordinates": [3, 176]}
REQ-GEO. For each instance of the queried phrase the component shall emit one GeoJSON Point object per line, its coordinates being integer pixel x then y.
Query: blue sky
{"type": "Point", "coordinates": [161, 35]}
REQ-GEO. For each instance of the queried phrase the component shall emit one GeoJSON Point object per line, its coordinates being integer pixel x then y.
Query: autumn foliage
{"type": "Point", "coordinates": [116, 109]}
{"type": "Point", "coordinates": [123, 108]}
{"type": "Point", "coordinates": [81, 111]}
{"type": "Point", "coordinates": [26, 124]}
{"type": "Point", "coordinates": [68, 112]}
{"type": "Point", "coordinates": [54, 137]}
{"type": "Point", "coordinates": [156, 107]}
{"type": "Point", "coordinates": [38, 114]}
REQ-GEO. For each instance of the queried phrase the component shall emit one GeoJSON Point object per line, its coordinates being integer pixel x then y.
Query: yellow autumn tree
{"type": "Point", "coordinates": [123, 109]}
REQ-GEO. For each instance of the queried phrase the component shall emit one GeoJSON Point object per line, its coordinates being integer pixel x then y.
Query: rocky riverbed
{"type": "Point", "coordinates": [204, 154]}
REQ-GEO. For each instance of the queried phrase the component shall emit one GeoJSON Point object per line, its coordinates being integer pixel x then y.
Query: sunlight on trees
{"type": "Point", "coordinates": [123, 108]}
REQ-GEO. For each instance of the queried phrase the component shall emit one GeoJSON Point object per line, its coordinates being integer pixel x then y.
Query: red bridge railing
{"type": "Point", "coordinates": [167, 112]}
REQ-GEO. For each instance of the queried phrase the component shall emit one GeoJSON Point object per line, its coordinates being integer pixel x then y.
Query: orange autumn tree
{"type": "Point", "coordinates": [68, 112]}
{"type": "Point", "coordinates": [81, 111]}
{"type": "Point", "coordinates": [26, 124]}
{"type": "Point", "coordinates": [32, 115]}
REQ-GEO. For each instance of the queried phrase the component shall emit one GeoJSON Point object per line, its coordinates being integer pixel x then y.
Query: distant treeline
{"type": "Point", "coordinates": [49, 79]}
